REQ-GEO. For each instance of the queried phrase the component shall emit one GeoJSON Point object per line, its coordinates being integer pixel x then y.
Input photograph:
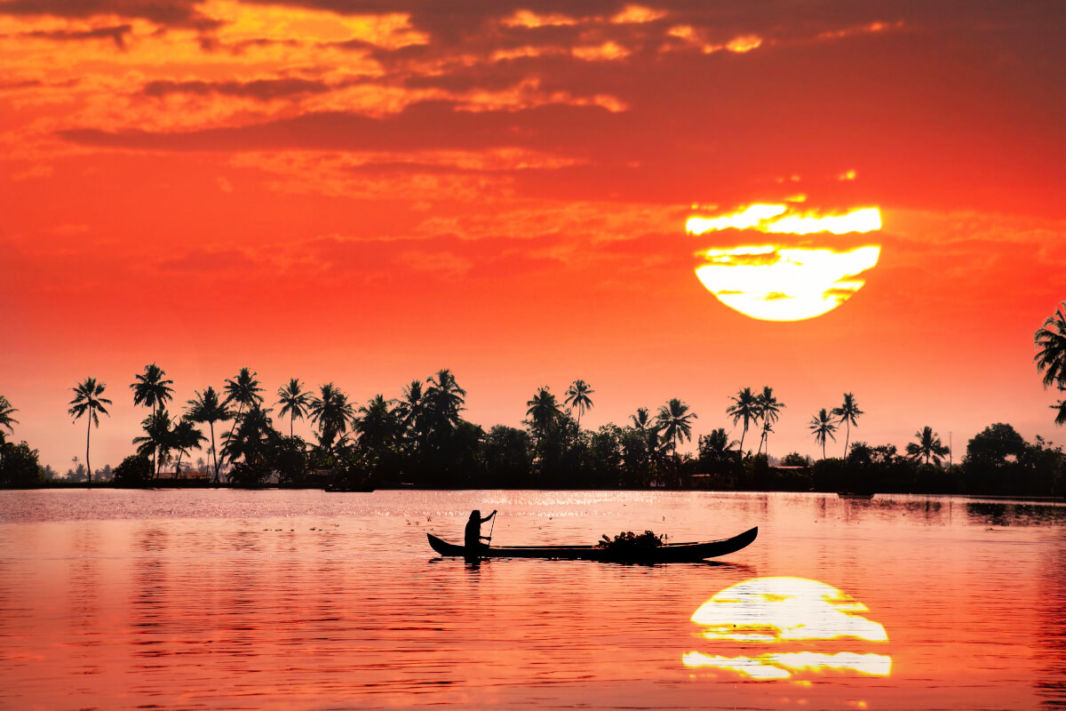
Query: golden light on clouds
{"type": "Point", "coordinates": [786, 610]}
{"type": "Point", "coordinates": [785, 282]}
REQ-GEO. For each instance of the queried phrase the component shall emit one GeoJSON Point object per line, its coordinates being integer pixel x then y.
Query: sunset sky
{"type": "Point", "coordinates": [364, 192]}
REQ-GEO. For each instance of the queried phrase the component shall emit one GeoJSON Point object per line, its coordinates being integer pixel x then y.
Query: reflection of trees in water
{"type": "Point", "coordinates": [1051, 645]}
{"type": "Point", "coordinates": [928, 511]}
{"type": "Point", "coordinates": [1015, 514]}
{"type": "Point", "coordinates": [148, 601]}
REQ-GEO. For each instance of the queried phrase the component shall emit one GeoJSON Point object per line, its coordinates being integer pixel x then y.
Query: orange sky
{"type": "Point", "coordinates": [365, 192]}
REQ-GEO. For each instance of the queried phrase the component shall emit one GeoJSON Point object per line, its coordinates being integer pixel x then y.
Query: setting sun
{"type": "Point", "coordinates": [785, 282]}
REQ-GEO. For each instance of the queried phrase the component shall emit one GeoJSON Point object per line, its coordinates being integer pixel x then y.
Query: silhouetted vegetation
{"type": "Point", "coordinates": [628, 543]}
{"type": "Point", "coordinates": [1051, 357]}
{"type": "Point", "coordinates": [19, 466]}
{"type": "Point", "coordinates": [423, 440]}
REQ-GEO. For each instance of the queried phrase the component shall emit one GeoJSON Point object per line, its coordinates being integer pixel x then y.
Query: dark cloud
{"type": "Point", "coordinates": [176, 13]}
{"type": "Point", "coordinates": [116, 34]}
{"type": "Point", "coordinates": [261, 89]}
{"type": "Point", "coordinates": [428, 125]}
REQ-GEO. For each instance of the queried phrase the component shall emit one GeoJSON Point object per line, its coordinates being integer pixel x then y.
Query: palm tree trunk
{"type": "Point", "coordinates": [236, 419]}
{"type": "Point", "coordinates": [743, 434]}
{"type": "Point", "coordinates": [214, 452]}
{"type": "Point", "coordinates": [823, 448]}
{"type": "Point", "coordinates": [88, 429]}
{"type": "Point", "coordinates": [291, 418]}
{"type": "Point", "coordinates": [847, 436]}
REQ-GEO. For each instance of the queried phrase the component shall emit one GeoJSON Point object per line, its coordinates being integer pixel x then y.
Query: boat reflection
{"type": "Point", "coordinates": [786, 610]}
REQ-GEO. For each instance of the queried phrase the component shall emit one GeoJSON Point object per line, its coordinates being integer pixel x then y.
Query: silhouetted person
{"type": "Point", "coordinates": [473, 530]}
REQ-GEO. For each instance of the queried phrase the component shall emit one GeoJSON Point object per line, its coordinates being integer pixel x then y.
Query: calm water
{"type": "Point", "coordinates": [314, 600]}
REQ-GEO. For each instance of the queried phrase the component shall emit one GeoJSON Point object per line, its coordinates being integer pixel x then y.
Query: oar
{"type": "Point", "coordinates": [492, 527]}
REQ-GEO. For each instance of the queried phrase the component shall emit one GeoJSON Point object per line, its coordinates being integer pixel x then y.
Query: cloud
{"type": "Point", "coordinates": [427, 125]}
{"type": "Point", "coordinates": [173, 13]}
{"type": "Point", "coordinates": [208, 260]}
{"type": "Point", "coordinates": [116, 34]}
{"type": "Point", "coordinates": [259, 89]}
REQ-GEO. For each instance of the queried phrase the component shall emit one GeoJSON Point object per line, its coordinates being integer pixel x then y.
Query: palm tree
{"type": "Point", "coordinates": [378, 427]}
{"type": "Point", "coordinates": [745, 407]}
{"type": "Point", "coordinates": [822, 426]}
{"type": "Point", "coordinates": [1051, 358]}
{"type": "Point", "coordinates": [6, 420]}
{"type": "Point", "coordinates": [243, 390]}
{"type": "Point", "coordinates": [577, 397]}
{"type": "Point", "coordinates": [152, 389]}
{"type": "Point", "coordinates": [183, 438]}
{"type": "Point", "coordinates": [1060, 418]}
{"type": "Point", "coordinates": [848, 414]}
{"type": "Point", "coordinates": [206, 407]}
{"type": "Point", "coordinates": [157, 437]}
{"type": "Point", "coordinates": [88, 399]}
{"type": "Point", "coordinates": [543, 411]}
{"type": "Point", "coordinates": [251, 438]}
{"type": "Point", "coordinates": [331, 412]}
{"type": "Point", "coordinates": [675, 422]}
{"type": "Point", "coordinates": [927, 447]}
{"type": "Point", "coordinates": [294, 401]}
{"type": "Point", "coordinates": [641, 420]}
{"type": "Point", "coordinates": [769, 410]}
{"type": "Point", "coordinates": [716, 446]}
{"type": "Point", "coordinates": [443, 400]}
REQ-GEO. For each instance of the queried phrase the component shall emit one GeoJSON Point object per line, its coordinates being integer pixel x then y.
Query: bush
{"type": "Point", "coordinates": [19, 468]}
{"type": "Point", "coordinates": [135, 471]}
{"type": "Point", "coordinates": [249, 476]}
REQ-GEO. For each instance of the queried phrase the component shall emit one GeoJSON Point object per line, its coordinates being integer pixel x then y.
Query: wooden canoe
{"type": "Point", "coordinates": [669, 553]}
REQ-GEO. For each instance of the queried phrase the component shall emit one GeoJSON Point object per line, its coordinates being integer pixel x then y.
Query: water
{"type": "Point", "coordinates": [314, 600]}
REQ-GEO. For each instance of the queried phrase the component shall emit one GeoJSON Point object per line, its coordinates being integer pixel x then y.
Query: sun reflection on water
{"type": "Point", "coordinates": [780, 610]}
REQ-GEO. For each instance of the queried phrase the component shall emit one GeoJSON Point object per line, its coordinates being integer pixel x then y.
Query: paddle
{"type": "Point", "coordinates": [493, 526]}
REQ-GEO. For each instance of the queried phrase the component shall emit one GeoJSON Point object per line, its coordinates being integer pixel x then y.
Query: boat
{"type": "Point", "coordinates": [668, 553]}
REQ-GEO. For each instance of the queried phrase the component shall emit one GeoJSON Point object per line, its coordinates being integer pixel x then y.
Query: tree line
{"type": "Point", "coordinates": [422, 439]}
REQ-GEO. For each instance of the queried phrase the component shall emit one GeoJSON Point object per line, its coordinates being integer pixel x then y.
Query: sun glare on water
{"type": "Point", "coordinates": [789, 611]}
{"type": "Point", "coordinates": [775, 282]}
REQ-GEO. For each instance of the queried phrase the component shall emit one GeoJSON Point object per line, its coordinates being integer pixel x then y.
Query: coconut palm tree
{"type": "Point", "coordinates": [822, 426]}
{"type": "Point", "coordinates": [675, 422]}
{"type": "Point", "coordinates": [745, 407]}
{"type": "Point", "coordinates": [927, 447]}
{"type": "Point", "coordinates": [6, 420]}
{"type": "Point", "coordinates": [769, 410]}
{"type": "Point", "coordinates": [641, 420]}
{"type": "Point", "coordinates": [847, 414]}
{"type": "Point", "coordinates": [183, 438]}
{"type": "Point", "coordinates": [243, 390]}
{"type": "Point", "coordinates": [577, 397]}
{"type": "Point", "coordinates": [88, 399]}
{"type": "Point", "coordinates": [294, 401]}
{"type": "Point", "coordinates": [1051, 358]}
{"type": "Point", "coordinates": [205, 407]}
{"type": "Point", "coordinates": [331, 412]}
{"type": "Point", "coordinates": [379, 428]}
{"type": "Point", "coordinates": [152, 389]}
{"type": "Point", "coordinates": [443, 401]}
{"type": "Point", "coordinates": [157, 439]}
{"type": "Point", "coordinates": [716, 447]}
{"type": "Point", "coordinates": [252, 438]}
{"type": "Point", "coordinates": [543, 411]}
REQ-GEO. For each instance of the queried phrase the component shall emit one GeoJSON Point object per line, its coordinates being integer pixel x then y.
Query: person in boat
{"type": "Point", "coordinates": [473, 529]}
